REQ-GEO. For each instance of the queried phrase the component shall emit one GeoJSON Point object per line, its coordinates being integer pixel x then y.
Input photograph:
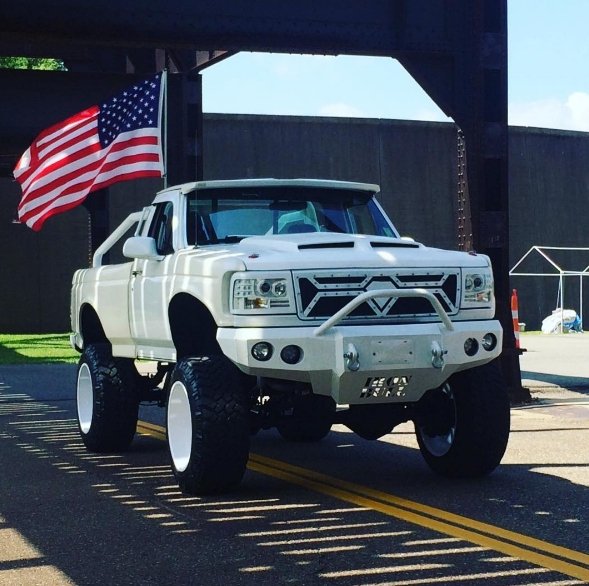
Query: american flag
{"type": "Point", "coordinates": [115, 141]}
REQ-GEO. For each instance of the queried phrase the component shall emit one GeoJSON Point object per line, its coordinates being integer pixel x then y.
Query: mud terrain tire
{"type": "Point", "coordinates": [208, 426]}
{"type": "Point", "coordinates": [107, 400]}
{"type": "Point", "coordinates": [463, 427]}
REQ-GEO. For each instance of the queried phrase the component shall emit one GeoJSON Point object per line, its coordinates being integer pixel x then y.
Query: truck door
{"type": "Point", "coordinates": [150, 289]}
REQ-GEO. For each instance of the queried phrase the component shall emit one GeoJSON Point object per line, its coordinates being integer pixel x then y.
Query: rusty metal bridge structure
{"type": "Point", "coordinates": [455, 49]}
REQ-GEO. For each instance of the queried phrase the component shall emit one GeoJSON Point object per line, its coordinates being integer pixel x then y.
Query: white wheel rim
{"type": "Point", "coordinates": [85, 398]}
{"type": "Point", "coordinates": [439, 445]}
{"type": "Point", "coordinates": [179, 426]}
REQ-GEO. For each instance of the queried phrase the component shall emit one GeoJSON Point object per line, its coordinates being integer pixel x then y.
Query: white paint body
{"type": "Point", "coordinates": [395, 356]}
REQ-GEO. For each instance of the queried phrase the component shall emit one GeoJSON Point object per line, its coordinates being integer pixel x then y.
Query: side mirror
{"type": "Point", "coordinates": [140, 247]}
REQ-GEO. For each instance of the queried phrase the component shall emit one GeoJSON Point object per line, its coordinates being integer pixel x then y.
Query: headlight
{"type": "Point", "coordinates": [478, 288]}
{"type": "Point", "coordinates": [272, 294]}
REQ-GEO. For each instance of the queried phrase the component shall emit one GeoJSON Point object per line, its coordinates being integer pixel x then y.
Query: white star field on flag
{"type": "Point", "coordinates": [134, 108]}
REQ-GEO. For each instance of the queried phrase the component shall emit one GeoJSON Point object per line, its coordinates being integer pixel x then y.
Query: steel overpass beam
{"type": "Point", "coordinates": [456, 49]}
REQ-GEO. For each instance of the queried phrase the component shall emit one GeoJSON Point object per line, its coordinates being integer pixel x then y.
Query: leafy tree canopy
{"type": "Point", "coordinates": [31, 63]}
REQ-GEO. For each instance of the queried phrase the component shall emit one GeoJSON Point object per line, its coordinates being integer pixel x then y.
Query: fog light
{"type": "Point", "coordinates": [489, 342]}
{"type": "Point", "coordinates": [262, 351]}
{"type": "Point", "coordinates": [291, 354]}
{"type": "Point", "coordinates": [471, 346]}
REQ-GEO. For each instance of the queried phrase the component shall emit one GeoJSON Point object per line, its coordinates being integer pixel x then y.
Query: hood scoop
{"type": "Point", "coordinates": [325, 241]}
{"type": "Point", "coordinates": [397, 244]}
{"type": "Point", "coordinates": [384, 243]}
{"type": "Point", "coordinates": [316, 245]}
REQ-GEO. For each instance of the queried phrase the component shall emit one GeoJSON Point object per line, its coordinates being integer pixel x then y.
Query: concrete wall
{"type": "Point", "coordinates": [414, 162]}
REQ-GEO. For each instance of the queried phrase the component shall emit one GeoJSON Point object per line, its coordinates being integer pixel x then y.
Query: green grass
{"type": "Point", "coordinates": [36, 349]}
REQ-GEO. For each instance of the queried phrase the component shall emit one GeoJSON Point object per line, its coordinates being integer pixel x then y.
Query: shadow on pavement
{"type": "Point", "coordinates": [573, 383]}
{"type": "Point", "coordinates": [119, 518]}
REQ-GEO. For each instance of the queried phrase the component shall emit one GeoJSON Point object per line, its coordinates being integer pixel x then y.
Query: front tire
{"type": "Point", "coordinates": [208, 425]}
{"type": "Point", "coordinates": [462, 428]}
{"type": "Point", "coordinates": [107, 401]}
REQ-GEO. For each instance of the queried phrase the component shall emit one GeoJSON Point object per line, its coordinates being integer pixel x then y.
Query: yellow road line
{"type": "Point", "coordinates": [520, 552]}
{"type": "Point", "coordinates": [151, 429]}
{"type": "Point", "coordinates": [517, 538]}
{"type": "Point", "coordinates": [517, 545]}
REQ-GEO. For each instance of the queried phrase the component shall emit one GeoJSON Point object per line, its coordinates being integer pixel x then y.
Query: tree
{"type": "Point", "coordinates": [31, 63]}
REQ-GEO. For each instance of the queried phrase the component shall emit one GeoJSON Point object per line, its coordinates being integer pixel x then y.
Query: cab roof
{"type": "Point", "coordinates": [186, 188]}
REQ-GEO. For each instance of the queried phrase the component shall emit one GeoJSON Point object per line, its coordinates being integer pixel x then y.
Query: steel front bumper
{"type": "Point", "coordinates": [368, 363]}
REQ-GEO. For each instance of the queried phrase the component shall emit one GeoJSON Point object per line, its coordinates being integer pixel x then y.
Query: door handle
{"type": "Point", "coordinates": [137, 273]}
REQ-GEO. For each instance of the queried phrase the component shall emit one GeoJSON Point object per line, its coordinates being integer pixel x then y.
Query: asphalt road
{"type": "Point", "coordinates": [343, 512]}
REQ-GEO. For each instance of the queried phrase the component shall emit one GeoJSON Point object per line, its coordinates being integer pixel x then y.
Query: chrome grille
{"type": "Point", "coordinates": [320, 294]}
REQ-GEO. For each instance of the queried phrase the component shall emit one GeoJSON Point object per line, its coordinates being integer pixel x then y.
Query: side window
{"type": "Point", "coordinates": [161, 228]}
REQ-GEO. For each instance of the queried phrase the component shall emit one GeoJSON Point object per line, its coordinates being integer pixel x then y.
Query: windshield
{"type": "Point", "coordinates": [228, 215]}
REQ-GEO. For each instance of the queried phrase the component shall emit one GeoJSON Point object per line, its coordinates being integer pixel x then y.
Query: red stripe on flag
{"type": "Point", "coordinates": [91, 180]}
{"type": "Point", "coordinates": [128, 177]}
{"type": "Point", "coordinates": [38, 166]}
{"type": "Point", "coordinates": [38, 224]}
{"type": "Point", "coordinates": [61, 172]}
{"type": "Point", "coordinates": [67, 170]}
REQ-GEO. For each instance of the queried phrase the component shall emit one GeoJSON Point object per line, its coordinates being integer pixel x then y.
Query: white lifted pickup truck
{"type": "Point", "coordinates": [292, 304]}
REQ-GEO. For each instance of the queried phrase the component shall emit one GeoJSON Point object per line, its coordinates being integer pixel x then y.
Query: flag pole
{"type": "Point", "coordinates": [164, 126]}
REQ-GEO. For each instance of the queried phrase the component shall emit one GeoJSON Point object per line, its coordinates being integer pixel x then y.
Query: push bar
{"type": "Point", "coordinates": [358, 300]}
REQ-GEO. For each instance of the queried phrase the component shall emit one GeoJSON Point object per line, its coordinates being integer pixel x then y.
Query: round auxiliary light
{"type": "Point", "coordinates": [489, 342]}
{"type": "Point", "coordinates": [291, 354]}
{"type": "Point", "coordinates": [262, 351]}
{"type": "Point", "coordinates": [471, 346]}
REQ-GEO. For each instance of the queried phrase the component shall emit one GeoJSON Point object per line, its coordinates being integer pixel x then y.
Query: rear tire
{"type": "Point", "coordinates": [310, 421]}
{"type": "Point", "coordinates": [463, 427]}
{"type": "Point", "coordinates": [107, 400]}
{"type": "Point", "coordinates": [208, 425]}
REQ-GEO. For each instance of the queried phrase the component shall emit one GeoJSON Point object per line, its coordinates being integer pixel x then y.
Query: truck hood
{"type": "Point", "coordinates": [328, 250]}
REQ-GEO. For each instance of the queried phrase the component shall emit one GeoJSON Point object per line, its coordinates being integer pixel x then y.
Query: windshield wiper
{"type": "Point", "coordinates": [232, 239]}
{"type": "Point", "coordinates": [227, 240]}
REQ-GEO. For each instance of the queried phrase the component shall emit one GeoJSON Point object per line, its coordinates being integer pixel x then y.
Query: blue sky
{"type": "Point", "coordinates": [548, 76]}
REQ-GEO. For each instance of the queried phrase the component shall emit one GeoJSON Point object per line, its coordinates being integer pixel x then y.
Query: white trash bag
{"type": "Point", "coordinates": [567, 317]}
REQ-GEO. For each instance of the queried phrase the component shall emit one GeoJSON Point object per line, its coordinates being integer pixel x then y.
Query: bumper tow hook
{"type": "Point", "coordinates": [351, 358]}
{"type": "Point", "coordinates": [438, 355]}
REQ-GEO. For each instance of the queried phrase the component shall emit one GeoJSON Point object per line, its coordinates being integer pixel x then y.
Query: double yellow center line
{"type": "Point", "coordinates": [542, 553]}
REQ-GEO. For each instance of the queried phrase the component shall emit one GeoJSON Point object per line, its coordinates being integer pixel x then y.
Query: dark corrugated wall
{"type": "Point", "coordinates": [414, 162]}
{"type": "Point", "coordinates": [549, 192]}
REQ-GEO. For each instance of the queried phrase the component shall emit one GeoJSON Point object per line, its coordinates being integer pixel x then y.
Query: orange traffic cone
{"type": "Point", "coordinates": [515, 317]}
